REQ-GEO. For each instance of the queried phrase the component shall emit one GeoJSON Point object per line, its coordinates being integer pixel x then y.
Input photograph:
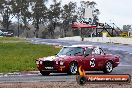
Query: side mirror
{"type": "Point", "coordinates": [86, 55]}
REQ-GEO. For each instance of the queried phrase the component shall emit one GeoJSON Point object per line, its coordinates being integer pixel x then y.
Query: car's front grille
{"type": "Point", "coordinates": [48, 63]}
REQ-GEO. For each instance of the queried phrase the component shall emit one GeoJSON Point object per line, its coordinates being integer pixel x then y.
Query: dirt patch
{"type": "Point", "coordinates": [62, 85]}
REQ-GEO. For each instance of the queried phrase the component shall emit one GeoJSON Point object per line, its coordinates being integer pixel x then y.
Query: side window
{"type": "Point", "coordinates": [88, 51]}
{"type": "Point", "coordinates": [101, 52]}
{"type": "Point", "coordinates": [79, 50]}
{"type": "Point", "coordinates": [96, 50]}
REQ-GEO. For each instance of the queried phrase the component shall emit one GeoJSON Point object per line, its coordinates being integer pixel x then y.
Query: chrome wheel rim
{"type": "Point", "coordinates": [109, 67]}
{"type": "Point", "coordinates": [73, 68]}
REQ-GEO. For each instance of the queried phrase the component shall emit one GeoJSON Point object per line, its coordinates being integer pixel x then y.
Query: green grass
{"type": "Point", "coordinates": [10, 39]}
{"type": "Point", "coordinates": [21, 56]}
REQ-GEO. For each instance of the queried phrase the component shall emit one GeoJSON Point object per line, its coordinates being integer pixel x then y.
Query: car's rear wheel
{"type": "Point", "coordinates": [44, 73]}
{"type": "Point", "coordinates": [108, 67]}
{"type": "Point", "coordinates": [73, 68]}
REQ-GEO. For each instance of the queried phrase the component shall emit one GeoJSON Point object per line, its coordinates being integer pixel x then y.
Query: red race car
{"type": "Point", "coordinates": [90, 57]}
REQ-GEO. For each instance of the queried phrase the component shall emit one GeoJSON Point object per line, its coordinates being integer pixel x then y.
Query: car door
{"type": "Point", "coordinates": [87, 58]}
{"type": "Point", "coordinates": [99, 58]}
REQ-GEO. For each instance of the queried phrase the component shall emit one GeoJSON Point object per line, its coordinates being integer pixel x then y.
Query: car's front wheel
{"type": "Point", "coordinates": [73, 68]}
{"type": "Point", "coordinates": [44, 73]}
{"type": "Point", "coordinates": [108, 67]}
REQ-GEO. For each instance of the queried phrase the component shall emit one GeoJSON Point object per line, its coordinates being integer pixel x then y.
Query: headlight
{"type": "Point", "coordinates": [37, 62]}
{"type": "Point", "coordinates": [40, 62]}
{"type": "Point", "coordinates": [61, 62]}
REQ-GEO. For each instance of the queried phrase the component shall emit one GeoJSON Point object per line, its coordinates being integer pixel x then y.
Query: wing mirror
{"type": "Point", "coordinates": [86, 55]}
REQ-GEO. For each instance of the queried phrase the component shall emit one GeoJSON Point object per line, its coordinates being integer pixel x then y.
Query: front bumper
{"type": "Point", "coordinates": [55, 68]}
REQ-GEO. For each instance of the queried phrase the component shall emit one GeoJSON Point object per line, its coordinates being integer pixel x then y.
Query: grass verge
{"type": "Point", "coordinates": [10, 39]}
{"type": "Point", "coordinates": [20, 56]}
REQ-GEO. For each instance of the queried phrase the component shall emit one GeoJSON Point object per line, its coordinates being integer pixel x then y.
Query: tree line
{"type": "Point", "coordinates": [36, 12]}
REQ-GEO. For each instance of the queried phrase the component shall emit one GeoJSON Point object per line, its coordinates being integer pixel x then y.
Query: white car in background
{"type": "Point", "coordinates": [1, 33]}
{"type": "Point", "coordinates": [5, 34]}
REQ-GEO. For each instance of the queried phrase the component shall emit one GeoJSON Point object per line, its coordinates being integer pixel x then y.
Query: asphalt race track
{"type": "Point", "coordinates": [125, 67]}
{"type": "Point", "coordinates": [58, 77]}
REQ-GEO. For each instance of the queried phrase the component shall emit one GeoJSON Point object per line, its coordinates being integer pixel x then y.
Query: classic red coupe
{"type": "Point", "coordinates": [90, 57]}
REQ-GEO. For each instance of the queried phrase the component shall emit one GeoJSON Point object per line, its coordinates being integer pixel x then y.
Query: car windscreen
{"type": "Point", "coordinates": [71, 51]}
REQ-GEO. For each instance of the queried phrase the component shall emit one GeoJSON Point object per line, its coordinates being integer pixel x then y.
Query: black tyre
{"type": "Point", "coordinates": [44, 73]}
{"type": "Point", "coordinates": [73, 68]}
{"type": "Point", "coordinates": [108, 67]}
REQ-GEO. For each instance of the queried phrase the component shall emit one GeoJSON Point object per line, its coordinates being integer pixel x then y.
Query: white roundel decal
{"type": "Point", "coordinates": [92, 62]}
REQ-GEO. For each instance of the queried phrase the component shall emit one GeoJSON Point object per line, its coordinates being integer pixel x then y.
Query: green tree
{"type": "Point", "coordinates": [54, 14]}
{"type": "Point", "coordinates": [1, 10]}
{"type": "Point", "coordinates": [6, 13]}
{"type": "Point", "coordinates": [20, 9]}
{"type": "Point", "coordinates": [93, 20]}
{"type": "Point", "coordinates": [88, 4]}
{"type": "Point", "coordinates": [39, 14]}
{"type": "Point", "coordinates": [68, 15]}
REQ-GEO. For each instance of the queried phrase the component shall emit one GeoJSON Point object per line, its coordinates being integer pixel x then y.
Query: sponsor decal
{"type": "Point", "coordinates": [82, 78]}
{"type": "Point", "coordinates": [48, 67]}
